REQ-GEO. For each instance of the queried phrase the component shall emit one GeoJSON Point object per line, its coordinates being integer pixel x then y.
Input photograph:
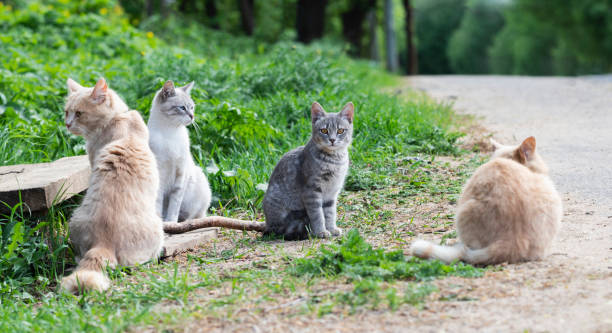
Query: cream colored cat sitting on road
{"type": "Point", "coordinates": [509, 211]}
{"type": "Point", "coordinates": [116, 223]}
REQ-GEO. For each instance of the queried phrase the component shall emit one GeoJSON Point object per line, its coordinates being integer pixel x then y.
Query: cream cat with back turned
{"type": "Point", "coordinates": [509, 211]}
{"type": "Point", "coordinates": [184, 192]}
{"type": "Point", "coordinates": [116, 223]}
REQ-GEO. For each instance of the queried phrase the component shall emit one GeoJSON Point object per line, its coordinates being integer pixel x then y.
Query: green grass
{"type": "Point", "coordinates": [166, 294]}
{"type": "Point", "coordinates": [252, 105]}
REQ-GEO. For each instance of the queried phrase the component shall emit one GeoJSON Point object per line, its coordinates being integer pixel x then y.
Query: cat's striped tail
{"type": "Point", "coordinates": [89, 274]}
{"type": "Point", "coordinates": [427, 250]}
{"type": "Point", "coordinates": [213, 221]}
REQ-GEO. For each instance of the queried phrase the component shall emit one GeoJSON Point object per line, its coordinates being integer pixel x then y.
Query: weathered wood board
{"type": "Point", "coordinates": [43, 184]}
{"type": "Point", "coordinates": [179, 243]}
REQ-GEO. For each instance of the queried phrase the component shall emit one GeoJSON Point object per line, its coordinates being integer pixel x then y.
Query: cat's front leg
{"type": "Point", "coordinates": [314, 209]}
{"type": "Point", "coordinates": [329, 210]}
{"type": "Point", "coordinates": [175, 199]}
{"type": "Point", "coordinates": [159, 203]}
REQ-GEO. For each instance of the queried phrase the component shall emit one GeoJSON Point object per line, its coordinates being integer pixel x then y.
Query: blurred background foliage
{"type": "Point", "coordinates": [525, 37]}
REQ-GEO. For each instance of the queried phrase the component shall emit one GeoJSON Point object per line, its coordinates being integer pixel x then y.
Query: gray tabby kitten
{"type": "Point", "coordinates": [304, 186]}
{"type": "Point", "coordinates": [184, 192]}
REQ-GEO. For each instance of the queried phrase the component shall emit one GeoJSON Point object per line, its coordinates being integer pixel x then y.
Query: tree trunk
{"type": "Point", "coordinates": [412, 67]}
{"type": "Point", "coordinates": [211, 13]}
{"type": "Point", "coordinates": [391, 46]}
{"type": "Point", "coordinates": [165, 8]}
{"type": "Point", "coordinates": [372, 23]}
{"type": "Point", "coordinates": [247, 14]}
{"type": "Point", "coordinates": [149, 7]}
{"type": "Point", "coordinates": [310, 21]}
{"type": "Point", "coordinates": [352, 24]}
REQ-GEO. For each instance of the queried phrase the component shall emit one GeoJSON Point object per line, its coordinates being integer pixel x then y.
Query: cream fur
{"type": "Point", "coordinates": [509, 211]}
{"type": "Point", "coordinates": [116, 222]}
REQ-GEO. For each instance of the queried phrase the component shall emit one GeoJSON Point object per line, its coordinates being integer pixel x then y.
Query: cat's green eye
{"type": "Point", "coordinates": [77, 114]}
{"type": "Point", "coordinates": [324, 130]}
{"type": "Point", "coordinates": [340, 130]}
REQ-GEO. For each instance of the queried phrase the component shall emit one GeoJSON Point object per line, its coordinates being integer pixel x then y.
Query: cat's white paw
{"type": "Point", "coordinates": [336, 231]}
{"type": "Point", "coordinates": [323, 234]}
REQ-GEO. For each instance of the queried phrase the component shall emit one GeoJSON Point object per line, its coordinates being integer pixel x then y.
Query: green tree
{"type": "Point", "coordinates": [435, 21]}
{"type": "Point", "coordinates": [468, 46]}
{"type": "Point", "coordinates": [565, 37]}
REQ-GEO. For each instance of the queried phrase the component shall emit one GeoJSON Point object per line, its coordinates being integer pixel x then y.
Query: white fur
{"type": "Point", "coordinates": [184, 192]}
{"type": "Point", "coordinates": [424, 249]}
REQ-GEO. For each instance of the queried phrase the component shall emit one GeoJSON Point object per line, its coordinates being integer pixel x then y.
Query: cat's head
{"type": "Point", "coordinates": [175, 104]}
{"type": "Point", "coordinates": [90, 108]}
{"type": "Point", "coordinates": [525, 153]}
{"type": "Point", "coordinates": [332, 131]}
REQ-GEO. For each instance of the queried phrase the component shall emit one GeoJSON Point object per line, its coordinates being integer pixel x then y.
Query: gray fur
{"type": "Point", "coordinates": [305, 184]}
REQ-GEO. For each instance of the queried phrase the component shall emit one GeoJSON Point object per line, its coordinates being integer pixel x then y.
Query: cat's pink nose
{"type": "Point", "coordinates": [68, 125]}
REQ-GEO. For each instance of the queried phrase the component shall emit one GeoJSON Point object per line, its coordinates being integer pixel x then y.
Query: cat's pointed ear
{"type": "Point", "coordinates": [99, 92]}
{"type": "Point", "coordinates": [527, 149]}
{"type": "Point", "coordinates": [168, 90]}
{"type": "Point", "coordinates": [73, 85]}
{"type": "Point", "coordinates": [316, 112]}
{"type": "Point", "coordinates": [187, 88]}
{"type": "Point", "coordinates": [347, 112]}
{"type": "Point", "coordinates": [496, 145]}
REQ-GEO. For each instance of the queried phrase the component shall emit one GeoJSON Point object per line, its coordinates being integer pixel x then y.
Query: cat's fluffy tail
{"type": "Point", "coordinates": [89, 274]}
{"type": "Point", "coordinates": [427, 250]}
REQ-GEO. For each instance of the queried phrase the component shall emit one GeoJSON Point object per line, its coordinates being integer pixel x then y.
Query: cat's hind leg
{"type": "Point", "coordinates": [197, 197]}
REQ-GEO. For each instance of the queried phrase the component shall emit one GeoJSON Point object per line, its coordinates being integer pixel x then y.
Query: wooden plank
{"type": "Point", "coordinates": [43, 184]}
{"type": "Point", "coordinates": [179, 243]}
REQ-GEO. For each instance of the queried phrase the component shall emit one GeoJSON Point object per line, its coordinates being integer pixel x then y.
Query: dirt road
{"type": "Point", "coordinates": [570, 291]}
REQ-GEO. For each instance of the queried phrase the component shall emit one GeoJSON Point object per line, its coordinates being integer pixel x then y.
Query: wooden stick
{"type": "Point", "coordinates": [213, 221]}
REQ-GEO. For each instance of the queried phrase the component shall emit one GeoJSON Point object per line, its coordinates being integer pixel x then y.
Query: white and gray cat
{"type": "Point", "coordinates": [304, 186]}
{"type": "Point", "coordinates": [184, 192]}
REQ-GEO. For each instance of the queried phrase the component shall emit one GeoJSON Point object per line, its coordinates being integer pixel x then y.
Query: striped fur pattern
{"type": "Point", "coordinates": [509, 211]}
{"type": "Point", "coordinates": [304, 186]}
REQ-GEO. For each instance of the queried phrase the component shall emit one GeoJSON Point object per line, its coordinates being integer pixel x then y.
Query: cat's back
{"type": "Point", "coordinates": [502, 178]}
{"type": "Point", "coordinates": [288, 167]}
{"type": "Point", "coordinates": [127, 158]}
{"type": "Point", "coordinates": [504, 197]}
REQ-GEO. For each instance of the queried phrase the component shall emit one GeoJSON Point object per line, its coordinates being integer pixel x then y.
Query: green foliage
{"type": "Point", "coordinates": [468, 46]}
{"type": "Point", "coordinates": [435, 21]}
{"type": "Point", "coordinates": [355, 259]}
{"type": "Point", "coordinates": [554, 37]}
{"type": "Point", "coordinates": [33, 251]}
{"type": "Point", "coordinates": [366, 267]}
